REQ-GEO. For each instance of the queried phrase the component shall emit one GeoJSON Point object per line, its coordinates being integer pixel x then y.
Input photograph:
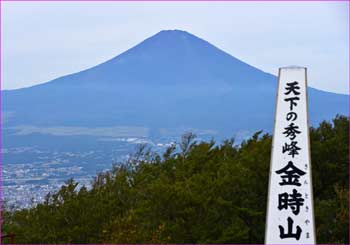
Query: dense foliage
{"type": "Point", "coordinates": [197, 192]}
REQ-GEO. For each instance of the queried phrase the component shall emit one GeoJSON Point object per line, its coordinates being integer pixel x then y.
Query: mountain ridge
{"type": "Point", "coordinates": [160, 33]}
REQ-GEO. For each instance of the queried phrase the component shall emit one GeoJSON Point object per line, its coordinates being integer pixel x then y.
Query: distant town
{"type": "Point", "coordinates": [25, 184]}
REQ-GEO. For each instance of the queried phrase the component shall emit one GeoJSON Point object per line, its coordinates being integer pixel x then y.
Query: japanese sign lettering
{"type": "Point", "coordinates": [290, 217]}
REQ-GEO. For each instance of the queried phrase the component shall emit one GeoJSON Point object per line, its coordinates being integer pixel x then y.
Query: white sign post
{"type": "Point", "coordinates": [290, 215]}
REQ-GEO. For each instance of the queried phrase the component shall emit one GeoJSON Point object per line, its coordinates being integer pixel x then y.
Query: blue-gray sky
{"type": "Point", "coordinates": [44, 40]}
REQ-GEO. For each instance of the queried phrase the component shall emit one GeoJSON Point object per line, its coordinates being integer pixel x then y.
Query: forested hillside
{"type": "Point", "coordinates": [197, 192]}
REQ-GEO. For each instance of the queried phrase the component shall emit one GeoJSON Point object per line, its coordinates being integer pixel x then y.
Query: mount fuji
{"type": "Point", "coordinates": [170, 82]}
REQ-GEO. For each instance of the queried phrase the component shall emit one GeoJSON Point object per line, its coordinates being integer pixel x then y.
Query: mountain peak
{"type": "Point", "coordinates": [173, 36]}
{"type": "Point", "coordinates": [174, 32]}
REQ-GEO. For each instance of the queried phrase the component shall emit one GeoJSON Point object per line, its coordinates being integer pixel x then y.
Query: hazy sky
{"type": "Point", "coordinates": [44, 40]}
